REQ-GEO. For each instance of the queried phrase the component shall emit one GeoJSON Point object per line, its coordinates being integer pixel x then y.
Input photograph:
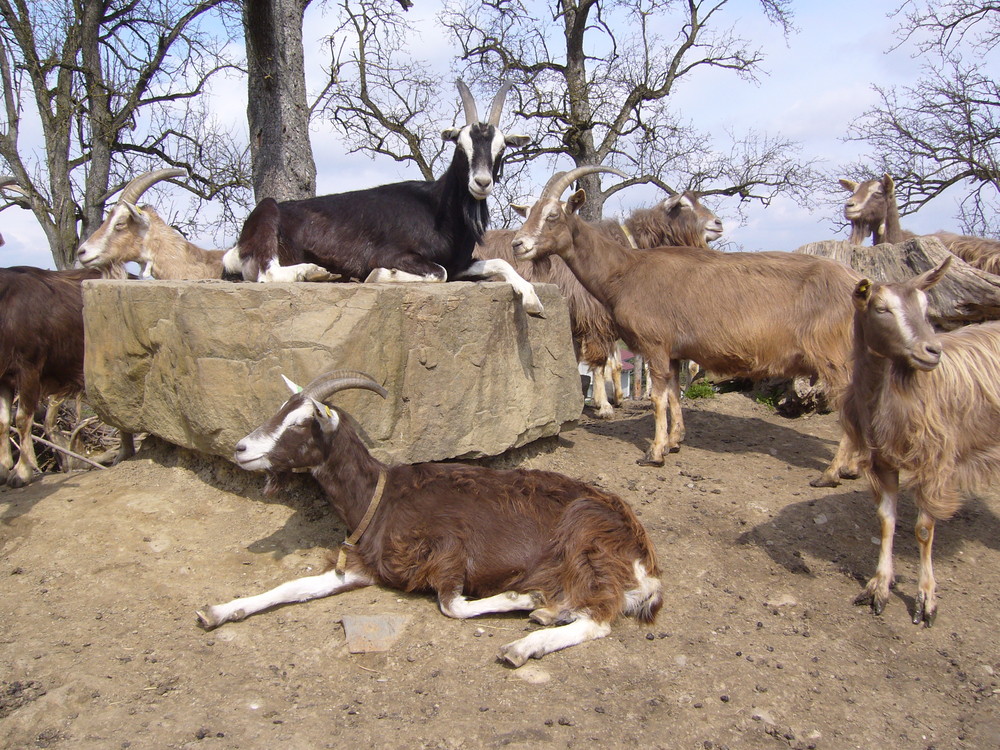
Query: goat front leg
{"type": "Point", "coordinates": [407, 268]}
{"type": "Point", "coordinates": [299, 590]}
{"type": "Point", "coordinates": [497, 267]}
{"type": "Point", "coordinates": [541, 642]}
{"type": "Point", "coordinates": [453, 604]}
{"type": "Point", "coordinates": [666, 431]}
{"type": "Point", "coordinates": [275, 272]}
{"type": "Point", "coordinates": [27, 400]}
{"type": "Point", "coordinates": [846, 464]}
{"type": "Point", "coordinates": [885, 488]}
{"type": "Point", "coordinates": [925, 607]}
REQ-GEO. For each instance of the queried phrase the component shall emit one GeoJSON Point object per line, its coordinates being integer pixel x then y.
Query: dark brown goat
{"type": "Point", "coordinates": [520, 540]}
{"type": "Point", "coordinates": [872, 210]}
{"type": "Point", "coordinates": [41, 354]}
{"type": "Point", "coordinates": [771, 314]}
{"type": "Point", "coordinates": [679, 219]}
{"type": "Point", "coordinates": [925, 403]}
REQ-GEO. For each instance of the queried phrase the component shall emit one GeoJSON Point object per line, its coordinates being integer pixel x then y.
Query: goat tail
{"type": "Point", "coordinates": [644, 601]}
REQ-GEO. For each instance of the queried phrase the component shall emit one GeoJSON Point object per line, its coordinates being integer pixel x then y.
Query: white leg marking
{"type": "Point", "coordinates": [395, 276]}
{"type": "Point", "coordinates": [649, 588]}
{"type": "Point", "coordinates": [541, 642]}
{"type": "Point", "coordinates": [503, 269]}
{"type": "Point", "coordinates": [297, 272]}
{"type": "Point", "coordinates": [299, 590]}
{"type": "Point", "coordinates": [510, 601]}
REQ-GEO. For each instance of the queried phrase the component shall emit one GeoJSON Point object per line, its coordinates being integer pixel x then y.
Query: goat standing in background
{"type": "Point", "coordinates": [922, 402]}
{"type": "Point", "coordinates": [872, 210]}
{"type": "Point", "coordinates": [523, 540]}
{"type": "Point", "coordinates": [404, 231]}
{"type": "Point", "coordinates": [133, 233]}
{"type": "Point", "coordinates": [771, 314]}
{"type": "Point", "coordinates": [679, 219]}
{"type": "Point", "coordinates": [41, 354]}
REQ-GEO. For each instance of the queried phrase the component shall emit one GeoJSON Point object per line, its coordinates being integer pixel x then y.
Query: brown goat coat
{"type": "Point", "coordinates": [942, 425]}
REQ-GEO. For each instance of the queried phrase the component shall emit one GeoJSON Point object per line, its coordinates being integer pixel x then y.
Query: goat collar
{"type": "Point", "coordinates": [629, 237]}
{"type": "Point", "coordinates": [352, 540]}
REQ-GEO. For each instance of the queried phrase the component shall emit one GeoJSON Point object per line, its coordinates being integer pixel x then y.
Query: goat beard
{"type": "Point", "coordinates": [275, 481]}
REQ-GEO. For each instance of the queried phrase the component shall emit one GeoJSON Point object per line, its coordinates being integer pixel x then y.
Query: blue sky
{"type": "Point", "coordinates": [819, 80]}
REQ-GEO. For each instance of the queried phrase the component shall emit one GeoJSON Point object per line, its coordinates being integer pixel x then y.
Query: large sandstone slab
{"type": "Point", "coordinates": [198, 363]}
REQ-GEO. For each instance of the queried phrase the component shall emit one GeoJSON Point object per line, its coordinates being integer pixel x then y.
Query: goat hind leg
{"type": "Point", "coordinates": [6, 455]}
{"type": "Point", "coordinates": [925, 606]}
{"type": "Point", "coordinates": [846, 464]}
{"type": "Point", "coordinates": [460, 607]}
{"type": "Point", "coordinates": [27, 400]}
{"type": "Point", "coordinates": [299, 590]}
{"type": "Point", "coordinates": [541, 642]}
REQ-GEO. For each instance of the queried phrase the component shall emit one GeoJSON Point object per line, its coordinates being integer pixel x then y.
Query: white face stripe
{"type": "Point", "coordinates": [895, 304]}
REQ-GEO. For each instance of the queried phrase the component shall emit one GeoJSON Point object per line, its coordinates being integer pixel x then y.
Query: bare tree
{"type": "Point", "coordinates": [943, 134]}
{"type": "Point", "coordinates": [597, 83]}
{"type": "Point", "coordinates": [115, 85]}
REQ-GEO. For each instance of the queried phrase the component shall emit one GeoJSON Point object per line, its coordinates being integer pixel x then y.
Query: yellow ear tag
{"type": "Point", "coordinates": [863, 286]}
{"type": "Point", "coordinates": [328, 412]}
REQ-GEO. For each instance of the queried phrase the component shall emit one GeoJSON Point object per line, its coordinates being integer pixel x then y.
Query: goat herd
{"type": "Point", "coordinates": [489, 540]}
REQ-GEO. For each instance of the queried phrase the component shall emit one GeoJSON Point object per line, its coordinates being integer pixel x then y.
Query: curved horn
{"type": "Point", "coordinates": [9, 182]}
{"type": "Point", "coordinates": [496, 108]}
{"type": "Point", "coordinates": [471, 113]}
{"type": "Point", "coordinates": [134, 190]}
{"type": "Point", "coordinates": [558, 183]}
{"type": "Point", "coordinates": [339, 380]}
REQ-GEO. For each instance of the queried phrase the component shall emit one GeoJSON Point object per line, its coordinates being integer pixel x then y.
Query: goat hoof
{"type": "Point", "coordinates": [17, 481]}
{"type": "Point", "coordinates": [824, 481]}
{"type": "Point", "coordinates": [513, 655]}
{"type": "Point", "coordinates": [647, 461]}
{"type": "Point", "coordinates": [923, 614]}
{"type": "Point", "coordinates": [206, 619]}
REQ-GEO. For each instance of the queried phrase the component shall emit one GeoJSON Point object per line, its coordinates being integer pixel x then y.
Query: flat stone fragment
{"type": "Point", "coordinates": [371, 633]}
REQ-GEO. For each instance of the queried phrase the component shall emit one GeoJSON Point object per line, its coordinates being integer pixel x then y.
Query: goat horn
{"type": "Point", "coordinates": [134, 190]}
{"type": "Point", "coordinates": [496, 109]}
{"type": "Point", "coordinates": [9, 182]}
{"type": "Point", "coordinates": [471, 113]}
{"type": "Point", "coordinates": [339, 380]}
{"type": "Point", "coordinates": [558, 183]}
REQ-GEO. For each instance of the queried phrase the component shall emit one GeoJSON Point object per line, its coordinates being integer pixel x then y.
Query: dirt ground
{"type": "Point", "coordinates": [757, 646]}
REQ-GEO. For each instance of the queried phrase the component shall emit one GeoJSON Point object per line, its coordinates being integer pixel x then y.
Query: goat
{"type": "Point", "coordinates": [41, 354]}
{"type": "Point", "coordinates": [519, 539]}
{"type": "Point", "coordinates": [132, 233]}
{"type": "Point", "coordinates": [403, 231]}
{"type": "Point", "coordinates": [872, 209]}
{"type": "Point", "coordinates": [679, 219]}
{"type": "Point", "coordinates": [771, 314]}
{"type": "Point", "coordinates": [922, 402]}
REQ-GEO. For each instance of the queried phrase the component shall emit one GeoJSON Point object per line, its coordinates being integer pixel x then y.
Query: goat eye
{"type": "Point", "coordinates": [119, 226]}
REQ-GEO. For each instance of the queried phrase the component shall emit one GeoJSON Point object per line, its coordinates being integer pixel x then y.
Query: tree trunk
{"type": "Point", "coordinates": [965, 295]}
{"type": "Point", "coordinates": [277, 111]}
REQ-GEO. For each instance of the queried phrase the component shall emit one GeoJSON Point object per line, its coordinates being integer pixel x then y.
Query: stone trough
{"type": "Point", "coordinates": [198, 364]}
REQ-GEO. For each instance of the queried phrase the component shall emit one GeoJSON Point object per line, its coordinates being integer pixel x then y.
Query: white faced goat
{"type": "Point", "coordinates": [925, 403]}
{"type": "Point", "coordinates": [520, 540]}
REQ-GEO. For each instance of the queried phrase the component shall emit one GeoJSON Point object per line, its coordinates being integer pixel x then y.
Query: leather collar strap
{"type": "Point", "coordinates": [628, 236]}
{"type": "Point", "coordinates": [352, 540]}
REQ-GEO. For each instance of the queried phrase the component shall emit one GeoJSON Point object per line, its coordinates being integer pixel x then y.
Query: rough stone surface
{"type": "Point", "coordinates": [198, 363]}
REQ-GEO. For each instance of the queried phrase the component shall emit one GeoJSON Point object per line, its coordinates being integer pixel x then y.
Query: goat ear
{"type": "Point", "coordinates": [451, 134]}
{"type": "Point", "coordinates": [576, 201]}
{"type": "Point", "coordinates": [929, 278]}
{"type": "Point", "coordinates": [136, 213]}
{"type": "Point", "coordinates": [517, 141]}
{"type": "Point", "coordinates": [520, 210]}
{"type": "Point", "coordinates": [887, 184]}
{"type": "Point", "coordinates": [849, 185]}
{"type": "Point", "coordinates": [862, 293]}
{"type": "Point", "coordinates": [670, 201]}
{"type": "Point", "coordinates": [291, 386]}
{"type": "Point", "coordinates": [327, 418]}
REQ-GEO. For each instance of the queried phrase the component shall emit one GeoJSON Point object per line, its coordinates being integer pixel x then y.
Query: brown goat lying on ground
{"type": "Point", "coordinates": [921, 402]}
{"type": "Point", "coordinates": [521, 540]}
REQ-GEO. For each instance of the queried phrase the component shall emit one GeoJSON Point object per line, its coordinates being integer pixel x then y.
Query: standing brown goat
{"type": "Point", "coordinates": [771, 314]}
{"type": "Point", "coordinates": [925, 403]}
{"type": "Point", "coordinates": [872, 210]}
{"type": "Point", "coordinates": [679, 219]}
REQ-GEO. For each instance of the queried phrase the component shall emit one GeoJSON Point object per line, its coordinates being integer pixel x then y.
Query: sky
{"type": "Point", "coordinates": [818, 81]}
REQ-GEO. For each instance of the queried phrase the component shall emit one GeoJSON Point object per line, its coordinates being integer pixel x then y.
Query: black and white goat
{"type": "Point", "coordinates": [404, 231]}
{"type": "Point", "coordinates": [515, 539]}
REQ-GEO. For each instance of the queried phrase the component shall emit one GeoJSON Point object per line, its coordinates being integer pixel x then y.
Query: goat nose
{"type": "Point", "coordinates": [484, 182]}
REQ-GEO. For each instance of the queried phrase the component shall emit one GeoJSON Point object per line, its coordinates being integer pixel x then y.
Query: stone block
{"type": "Point", "coordinates": [198, 363]}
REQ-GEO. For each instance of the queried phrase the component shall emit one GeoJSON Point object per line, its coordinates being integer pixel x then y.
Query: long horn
{"type": "Point", "coordinates": [339, 380]}
{"type": "Point", "coordinates": [134, 190]}
{"type": "Point", "coordinates": [471, 113]}
{"type": "Point", "coordinates": [496, 109]}
{"type": "Point", "coordinates": [9, 182]}
{"type": "Point", "coordinates": [558, 183]}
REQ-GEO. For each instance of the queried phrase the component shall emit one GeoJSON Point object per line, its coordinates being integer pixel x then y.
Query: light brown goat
{"type": "Point", "coordinates": [679, 219]}
{"type": "Point", "coordinates": [925, 403]}
{"type": "Point", "coordinates": [771, 314]}
{"type": "Point", "coordinates": [872, 210]}
{"type": "Point", "coordinates": [132, 233]}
